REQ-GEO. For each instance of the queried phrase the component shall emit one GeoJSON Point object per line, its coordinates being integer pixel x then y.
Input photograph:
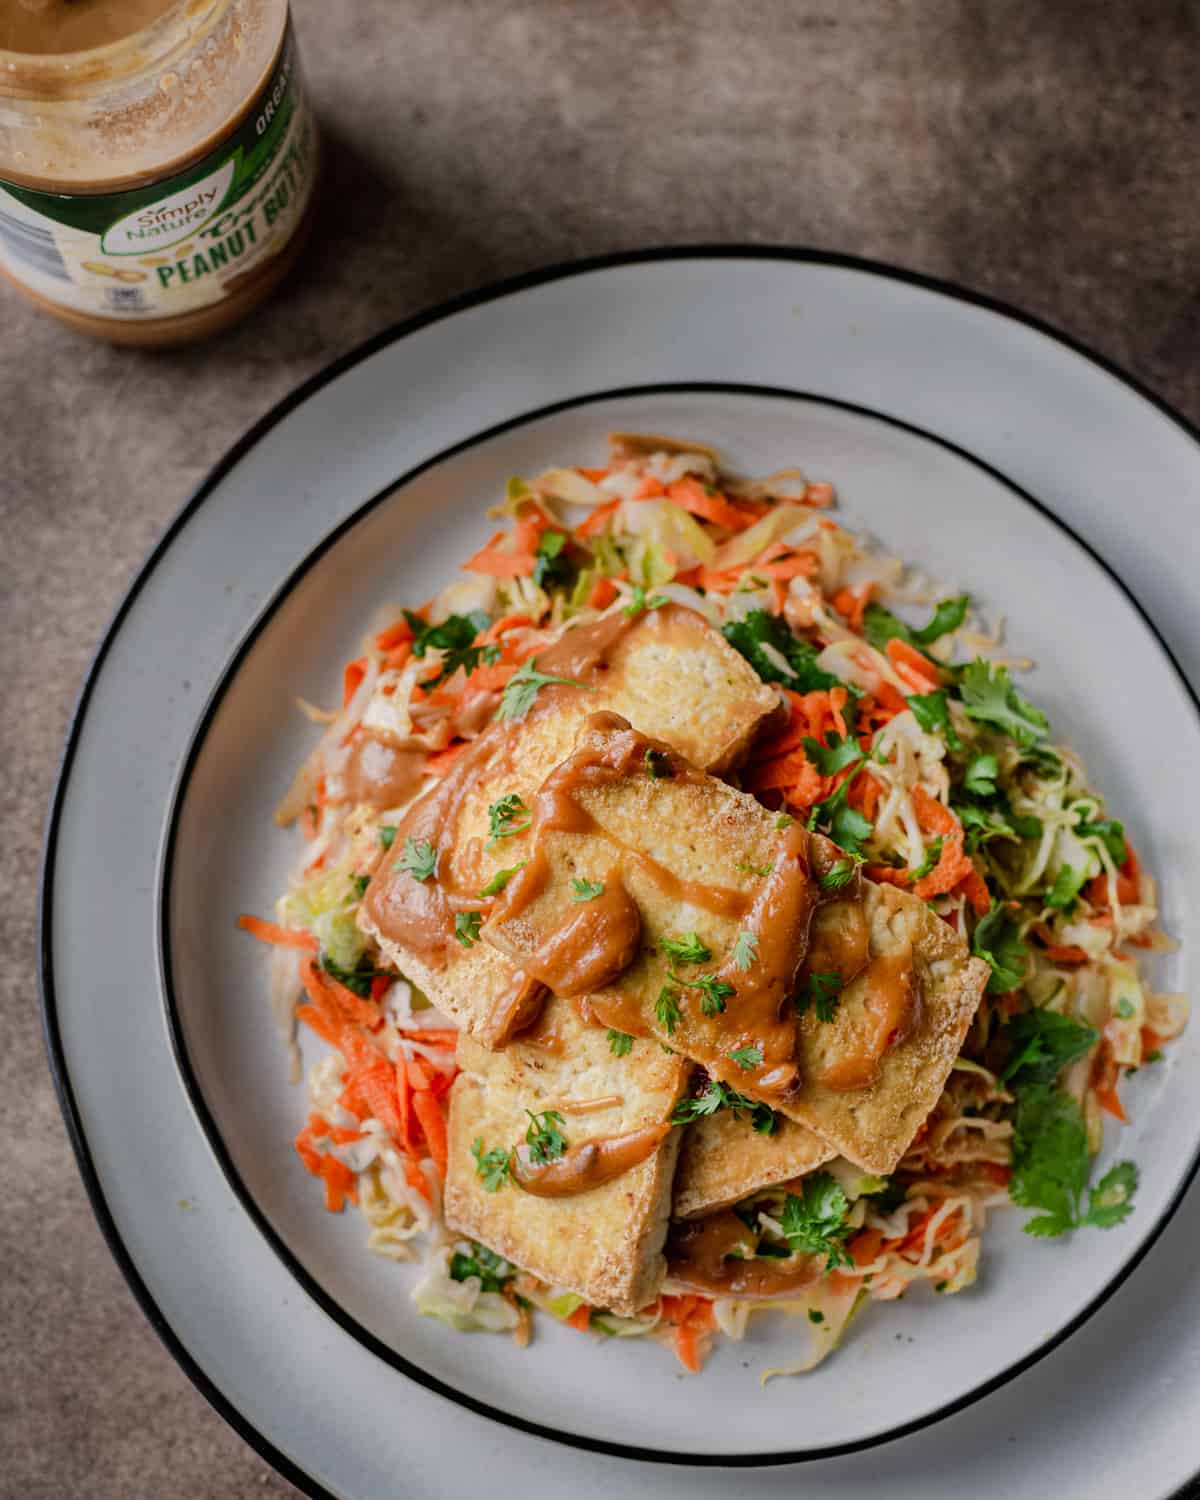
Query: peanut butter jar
{"type": "Point", "coordinates": [157, 161]}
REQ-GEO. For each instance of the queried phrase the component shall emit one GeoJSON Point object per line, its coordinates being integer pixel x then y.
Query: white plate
{"type": "Point", "coordinates": [1104, 676]}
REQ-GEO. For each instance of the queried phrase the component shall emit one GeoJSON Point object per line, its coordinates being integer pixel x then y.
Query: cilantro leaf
{"type": "Point", "coordinates": [1043, 1044]}
{"type": "Point", "coordinates": [839, 874]}
{"type": "Point", "coordinates": [586, 890]}
{"type": "Point", "coordinates": [492, 1166]}
{"type": "Point", "coordinates": [989, 697]}
{"type": "Point", "coordinates": [499, 880]}
{"type": "Point", "coordinates": [980, 776]}
{"type": "Point", "coordinates": [880, 625]}
{"type": "Point", "coordinates": [815, 1222]}
{"type": "Point", "coordinates": [713, 992]}
{"type": "Point", "coordinates": [932, 713]}
{"type": "Point", "coordinates": [933, 852]}
{"type": "Point", "coordinates": [620, 1043]}
{"type": "Point", "coordinates": [386, 834]}
{"type": "Point", "coordinates": [506, 817]}
{"type": "Point", "coordinates": [997, 939]}
{"type": "Point", "coordinates": [492, 1269]}
{"type": "Point", "coordinates": [523, 687]}
{"type": "Point", "coordinates": [545, 1141]}
{"type": "Point", "coordinates": [745, 950]}
{"type": "Point", "coordinates": [1050, 1158]}
{"type": "Point", "coordinates": [717, 1096]}
{"type": "Point", "coordinates": [358, 979]}
{"type": "Point", "coordinates": [418, 860]}
{"type": "Point", "coordinates": [758, 628]}
{"type": "Point", "coordinates": [686, 950]}
{"type": "Point", "coordinates": [762, 871]}
{"type": "Point", "coordinates": [783, 821]}
{"type": "Point", "coordinates": [453, 634]}
{"type": "Point", "coordinates": [638, 602]}
{"type": "Point", "coordinates": [666, 1009]}
{"type": "Point", "coordinates": [360, 884]}
{"type": "Point", "coordinates": [834, 755]}
{"type": "Point", "coordinates": [1110, 833]}
{"type": "Point", "coordinates": [1068, 882]}
{"type": "Point", "coordinates": [747, 1057]}
{"type": "Point", "coordinates": [846, 827]}
{"type": "Point", "coordinates": [552, 566]}
{"type": "Point", "coordinates": [823, 992]}
{"type": "Point", "coordinates": [1110, 1201]}
{"type": "Point", "coordinates": [466, 927]}
{"type": "Point", "coordinates": [658, 765]}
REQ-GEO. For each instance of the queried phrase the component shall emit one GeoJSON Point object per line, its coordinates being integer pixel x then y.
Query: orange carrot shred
{"type": "Point", "coordinates": [271, 932]}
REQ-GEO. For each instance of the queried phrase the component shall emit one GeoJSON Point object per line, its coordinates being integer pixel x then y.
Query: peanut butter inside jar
{"type": "Point", "coordinates": [157, 161]}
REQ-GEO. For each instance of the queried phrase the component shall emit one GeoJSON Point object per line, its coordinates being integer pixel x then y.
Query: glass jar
{"type": "Point", "coordinates": [156, 187]}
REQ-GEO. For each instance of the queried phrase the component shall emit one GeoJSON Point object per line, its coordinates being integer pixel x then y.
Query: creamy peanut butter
{"type": "Point", "coordinates": [157, 161]}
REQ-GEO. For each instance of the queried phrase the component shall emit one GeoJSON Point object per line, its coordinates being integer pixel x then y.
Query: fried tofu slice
{"type": "Point", "coordinates": [723, 1159]}
{"type": "Point", "coordinates": [873, 1125]}
{"type": "Point", "coordinates": [667, 670]}
{"type": "Point", "coordinates": [864, 1080]}
{"type": "Point", "coordinates": [604, 1243]}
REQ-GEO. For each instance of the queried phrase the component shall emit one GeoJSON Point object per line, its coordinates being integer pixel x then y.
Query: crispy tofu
{"type": "Point", "coordinates": [671, 674]}
{"type": "Point", "coordinates": [723, 1160]}
{"type": "Point", "coordinates": [605, 1243]}
{"type": "Point", "coordinates": [864, 1084]}
{"type": "Point", "coordinates": [874, 1126]}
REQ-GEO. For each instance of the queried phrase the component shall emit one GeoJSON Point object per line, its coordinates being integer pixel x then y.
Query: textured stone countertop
{"type": "Point", "coordinates": [1047, 154]}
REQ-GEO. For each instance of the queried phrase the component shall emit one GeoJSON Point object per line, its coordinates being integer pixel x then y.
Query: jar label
{"type": "Point", "coordinates": [184, 242]}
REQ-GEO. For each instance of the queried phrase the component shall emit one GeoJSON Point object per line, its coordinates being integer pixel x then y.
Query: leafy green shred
{"type": "Point", "coordinates": [932, 713]}
{"type": "Point", "coordinates": [419, 859]}
{"type": "Point", "coordinates": [493, 1270]}
{"type": "Point", "coordinates": [356, 979]}
{"type": "Point", "coordinates": [586, 890]}
{"type": "Point", "coordinates": [1110, 833]}
{"type": "Point", "coordinates": [847, 828]}
{"type": "Point", "coordinates": [717, 1096]}
{"type": "Point", "coordinates": [545, 1141]}
{"type": "Point", "coordinates": [745, 949]}
{"type": "Point", "coordinates": [454, 637]}
{"type": "Point", "coordinates": [1051, 1163]}
{"type": "Point", "coordinates": [666, 1009]}
{"type": "Point", "coordinates": [758, 628]}
{"type": "Point", "coordinates": [499, 880]}
{"type": "Point", "coordinates": [523, 687]}
{"type": "Point", "coordinates": [493, 1167]}
{"type": "Point", "coordinates": [1068, 882]}
{"type": "Point", "coordinates": [989, 697]}
{"type": "Point", "coordinates": [834, 755]}
{"type": "Point", "coordinates": [620, 1043]}
{"type": "Point", "coordinates": [466, 927]}
{"type": "Point", "coordinates": [880, 625]}
{"type": "Point", "coordinates": [1043, 1043]}
{"type": "Point", "coordinates": [686, 950]}
{"type": "Point", "coordinates": [553, 568]}
{"type": "Point", "coordinates": [747, 1057]}
{"type": "Point", "coordinates": [821, 992]}
{"type": "Point", "coordinates": [997, 938]}
{"type": "Point", "coordinates": [815, 1221]}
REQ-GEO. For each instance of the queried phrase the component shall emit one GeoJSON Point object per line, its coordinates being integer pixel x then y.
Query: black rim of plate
{"type": "Point", "coordinates": [50, 1023]}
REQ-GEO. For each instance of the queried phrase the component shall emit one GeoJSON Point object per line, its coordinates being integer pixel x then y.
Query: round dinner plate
{"type": "Point", "coordinates": [369, 486]}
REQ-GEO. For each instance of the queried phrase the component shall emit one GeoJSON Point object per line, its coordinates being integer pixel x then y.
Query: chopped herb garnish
{"type": "Point", "coordinates": [1110, 833]}
{"type": "Point", "coordinates": [783, 821]}
{"type": "Point", "coordinates": [552, 566]}
{"type": "Point", "coordinates": [358, 979]}
{"type": "Point", "coordinates": [745, 950]}
{"type": "Point", "coordinates": [1043, 1044]}
{"type": "Point", "coordinates": [492, 1269]}
{"type": "Point", "coordinates": [997, 938]}
{"type": "Point", "coordinates": [1068, 882]}
{"type": "Point", "coordinates": [980, 776]}
{"type": "Point", "coordinates": [686, 950]}
{"type": "Point", "coordinates": [1124, 1009]}
{"type": "Point", "coordinates": [386, 833]}
{"type": "Point", "coordinates": [747, 1057]}
{"type": "Point", "coordinates": [666, 1008]}
{"type": "Point", "coordinates": [880, 625]}
{"type": "Point", "coordinates": [713, 991]}
{"type": "Point", "coordinates": [932, 713]}
{"type": "Point", "coordinates": [466, 927]}
{"type": "Point", "coordinates": [760, 870]}
{"type": "Point", "coordinates": [989, 697]}
{"type": "Point", "coordinates": [360, 884]}
{"type": "Point", "coordinates": [546, 1143]}
{"type": "Point", "coordinates": [507, 817]}
{"type": "Point", "coordinates": [658, 766]}
{"type": "Point", "coordinates": [822, 992]}
{"type": "Point", "coordinates": [620, 1043]}
{"type": "Point", "coordinates": [834, 755]}
{"type": "Point", "coordinates": [499, 880]}
{"type": "Point", "coordinates": [758, 628]}
{"type": "Point", "coordinates": [492, 1166]}
{"type": "Point", "coordinates": [454, 638]}
{"type": "Point", "coordinates": [933, 852]}
{"type": "Point", "coordinates": [839, 874]}
{"type": "Point", "coordinates": [815, 1315]}
{"type": "Point", "coordinates": [586, 890]}
{"type": "Point", "coordinates": [638, 602]}
{"type": "Point", "coordinates": [523, 687]}
{"type": "Point", "coordinates": [1050, 1167]}
{"type": "Point", "coordinates": [815, 1221]}
{"type": "Point", "coordinates": [847, 828]}
{"type": "Point", "coordinates": [717, 1096]}
{"type": "Point", "coordinates": [1154, 1055]}
{"type": "Point", "coordinates": [419, 859]}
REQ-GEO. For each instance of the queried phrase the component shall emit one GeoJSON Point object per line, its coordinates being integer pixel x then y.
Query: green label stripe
{"type": "Point", "coordinates": [251, 153]}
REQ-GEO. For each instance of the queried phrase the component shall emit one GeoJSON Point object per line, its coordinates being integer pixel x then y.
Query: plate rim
{"type": "Point", "coordinates": [944, 287]}
{"type": "Point", "coordinates": [287, 1256]}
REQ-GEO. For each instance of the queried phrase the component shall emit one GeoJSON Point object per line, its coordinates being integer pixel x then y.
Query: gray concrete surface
{"type": "Point", "coordinates": [1043, 152]}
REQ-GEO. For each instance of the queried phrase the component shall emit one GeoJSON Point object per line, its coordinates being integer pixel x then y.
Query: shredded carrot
{"type": "Point", "coordinates": [649, 489]}
{"type": "Point", "coordinates": [932, 815]}
{"type": "Point", "coordinates": [595, 475]}
{"type": "Point", "coordinates": [996, 1172]}
{"type": "Point", "coordinates": [380, 1091]}
{"type": "Point", "coordinates": [974, 888]}
{"type": "Point", "coordinates": [865, 1246]}
{"type": "Point", "coordinates": [331, 998]}
{"type": "Point", "coordinates": [597, 519]}
{"type": "Point", "coordinates": [339, 1184]}
{"type": "Point", "coordinates": [1066, 953]}
{"type": "Point", "coordinates": [352, 675]}
{"type": "Point", "coordinates": [604, 591]}
{"type": "Point", "coordinates": [864, 796]}
{"type": "Point", "coordinates": [529, 529]}
{"type": "Point", "coordinates": [326, 1029]}
{"type": "Point", "coordinates": [395, 635]}
{"type": "Point", "coordinates": [917, 670]}
{"type": "Point", "coordinates": [580, 1319]}
{"type": "Point", "coordinates": [691, 496]}
{"type": "Point", "coordinates": [954, 867]}
{"type": "Point", "coordinates": [271, 932]}
{"type": "Point", "coordinates": [440, 761]}
{"type": "Point", "coordinates": [798, 565]}
{"type": "Point", "coordinates": [851, 604]}
{"type": "Point", "coordinates": [1109, 1100]}
{"type": "Point", "coordinates": [433, 1123]}
{"type": "Point", "coordinates": [380, 984]}
{"type": "Point", "coordinates": [887, 875]}
{"type": "Point", "coordinates": [498, 564]}
{"type": "Point", "coordinates": [1151, 1040]}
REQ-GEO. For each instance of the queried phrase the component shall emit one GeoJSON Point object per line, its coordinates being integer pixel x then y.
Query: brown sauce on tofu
{"type": "Point", "coordinates": [893, 1012]}
{"type": "Point", "coordinates": [588, 1165]}
{"type": "Point", "coordinates": [715, 1254]}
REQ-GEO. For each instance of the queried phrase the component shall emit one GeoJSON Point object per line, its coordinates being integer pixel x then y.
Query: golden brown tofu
{"type": "Point", "coordinates": [666, 669]}
{"type": "Point", "coordinates": [723, 1159]}
{"type": "Point", "coordinates": [679, 856]}
{"type": "Point", "coordinates": [604, 1242]}
{"type": "Point", "coordinates": [873, 1073]}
